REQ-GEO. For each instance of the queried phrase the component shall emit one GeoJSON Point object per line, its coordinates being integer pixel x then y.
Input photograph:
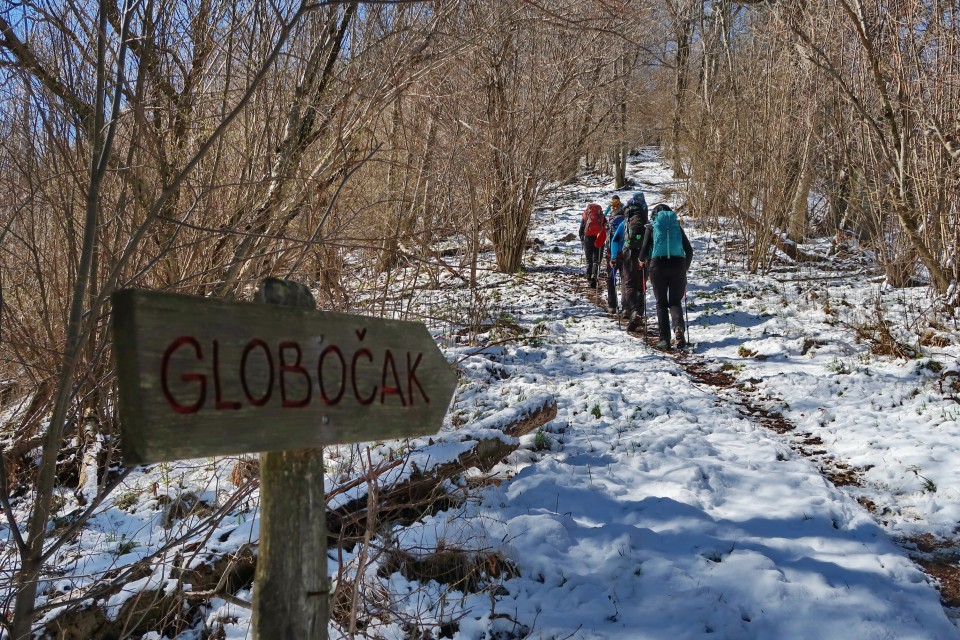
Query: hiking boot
{"type": "Point", "coordinates": [612, 310]}
{"type": "Point", "coordinates": [591, 283]}
{"type": "Point", "coordinates": [681, 339]}
{"type": "Point", "coordinates": [663, 345]}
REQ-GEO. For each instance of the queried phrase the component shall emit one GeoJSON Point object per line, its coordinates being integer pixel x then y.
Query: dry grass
{"type": "Point", "coordinates": [462, 570]}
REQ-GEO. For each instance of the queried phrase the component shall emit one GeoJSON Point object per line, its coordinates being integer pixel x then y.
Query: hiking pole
{"type": "Point", "coordinates": [643, 299]}
{"type": "Point", "coordinates": [616, 286]}
{"type": "Point", "coordinates": [595, 281]}
{"type": "Point", "coordinates": [606, 276]}
{"type": "Point", "coordinates": [686, 316]}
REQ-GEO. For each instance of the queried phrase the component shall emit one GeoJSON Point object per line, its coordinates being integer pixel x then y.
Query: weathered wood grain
{"type": "Point", "coordinates": [201, 377]}
{"type": "Point", "coordinates": [291, 598]}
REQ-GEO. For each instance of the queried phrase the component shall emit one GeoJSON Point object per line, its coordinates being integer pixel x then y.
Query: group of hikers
{"type": "Point", "coordinates": [636, 244]}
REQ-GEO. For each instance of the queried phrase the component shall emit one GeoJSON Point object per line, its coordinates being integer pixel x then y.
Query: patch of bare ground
{"type": "Point", "coordinates": [701, 373]}
{"type": "Point", "coordinates": [843, 475]}
{"type": "Point", "coordinates": [939, 558]}
{"type": "Point", "coordinates": [775, 422]}
{"type": "Point", "coordinates": [948, 581]}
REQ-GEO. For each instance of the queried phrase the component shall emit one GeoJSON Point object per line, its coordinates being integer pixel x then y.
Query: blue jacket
{"type": "Point", "coordinates": [616, 235]}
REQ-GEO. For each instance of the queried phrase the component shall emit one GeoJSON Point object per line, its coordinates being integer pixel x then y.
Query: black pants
{"type": "Point", "coordinates": [612, 286]}
{"type": "Point", "coordinates": [592, 253]}
{"type": "Point", "coordinates": [669, 279]}
{"type": "Point", "coordinates": [632, 276]}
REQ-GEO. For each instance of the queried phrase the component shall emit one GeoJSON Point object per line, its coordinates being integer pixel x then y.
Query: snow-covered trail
{"type": "Point", "coordinates": [660, 511]}
{"type": "Point", "coordinates": [671, 515]}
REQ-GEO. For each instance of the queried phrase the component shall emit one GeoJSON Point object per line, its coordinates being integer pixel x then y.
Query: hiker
{"type": "Point", "coordinates": [614, 207]}
{"type": "Point", "coordinates": [613, 211]}
{"type": "Point", "coordinates": [632, 273]}
{"type": "Point", "coordinates": [592, 226]}
{"type": "Point", "coordinates": [667, 255]}
{"type": "Point", "coordinates": [615, 236]}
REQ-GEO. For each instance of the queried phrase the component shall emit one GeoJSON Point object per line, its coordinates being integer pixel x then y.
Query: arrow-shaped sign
{"type": "Point", "coordinates": [203, 376]}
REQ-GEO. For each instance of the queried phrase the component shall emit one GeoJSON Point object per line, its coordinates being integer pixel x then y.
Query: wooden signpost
{"type": "Point", "coordinates": [201, 377]}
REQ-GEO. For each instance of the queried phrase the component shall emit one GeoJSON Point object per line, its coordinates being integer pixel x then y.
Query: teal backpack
{"type": "Point", "coordinates": [667, 238]}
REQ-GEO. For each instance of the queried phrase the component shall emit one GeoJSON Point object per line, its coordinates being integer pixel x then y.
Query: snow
{"type": "Point", "coordinates": [658, 507]}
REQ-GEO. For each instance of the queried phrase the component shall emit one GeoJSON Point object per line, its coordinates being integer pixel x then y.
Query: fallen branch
{"type": "Point", "coordinates": [794, 252]}
{"type": "Point", "coordinates": [409, 491]}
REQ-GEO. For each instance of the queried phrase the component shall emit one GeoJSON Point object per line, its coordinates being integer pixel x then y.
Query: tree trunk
{"type": "Point", "coordinates": [391, 243]}
{"type": "Point", "coordinates": [620, 156]}
{"type": "Point", "coordinates": [684, 34]}
{"type": "Point", "coordinates": [799, 207]}
{"type": "Point", "coordinates": [577, 150]}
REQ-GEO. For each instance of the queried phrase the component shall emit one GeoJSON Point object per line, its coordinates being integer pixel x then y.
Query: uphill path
{"type": "Point", "coordinates": [665, 506]}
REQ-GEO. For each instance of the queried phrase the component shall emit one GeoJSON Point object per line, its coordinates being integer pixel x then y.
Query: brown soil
{"type": "Point", "coordinates": [948, 581]}
{"type": "Point", "coordinates": [843, 476]}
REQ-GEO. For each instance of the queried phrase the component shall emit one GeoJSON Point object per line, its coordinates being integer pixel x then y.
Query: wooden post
{"type": "Point", "coordinates": [203, 377]}
{"type": "Point", "coordinates": [291, 590]}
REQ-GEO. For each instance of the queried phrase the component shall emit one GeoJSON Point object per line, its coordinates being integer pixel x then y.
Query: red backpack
{"type": "Point", "coordinates": [594, 219]}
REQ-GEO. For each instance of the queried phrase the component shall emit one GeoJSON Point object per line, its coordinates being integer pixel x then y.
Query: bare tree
{"type": "Point", "coordinates": [847, 98]}
{"type": "Point", "coordinates": [172, 113]}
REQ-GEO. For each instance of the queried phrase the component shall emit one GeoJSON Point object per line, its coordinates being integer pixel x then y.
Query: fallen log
{"type": "Point", "coordinates": [793, 251]}
{"type": "Point", "coordinates": [409, 489]}
{"type": "Point", "coordinates": [788, 247]}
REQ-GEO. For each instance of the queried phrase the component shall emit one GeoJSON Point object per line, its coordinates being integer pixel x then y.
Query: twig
{"type": "Point", "coordinates": [8, 509]}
